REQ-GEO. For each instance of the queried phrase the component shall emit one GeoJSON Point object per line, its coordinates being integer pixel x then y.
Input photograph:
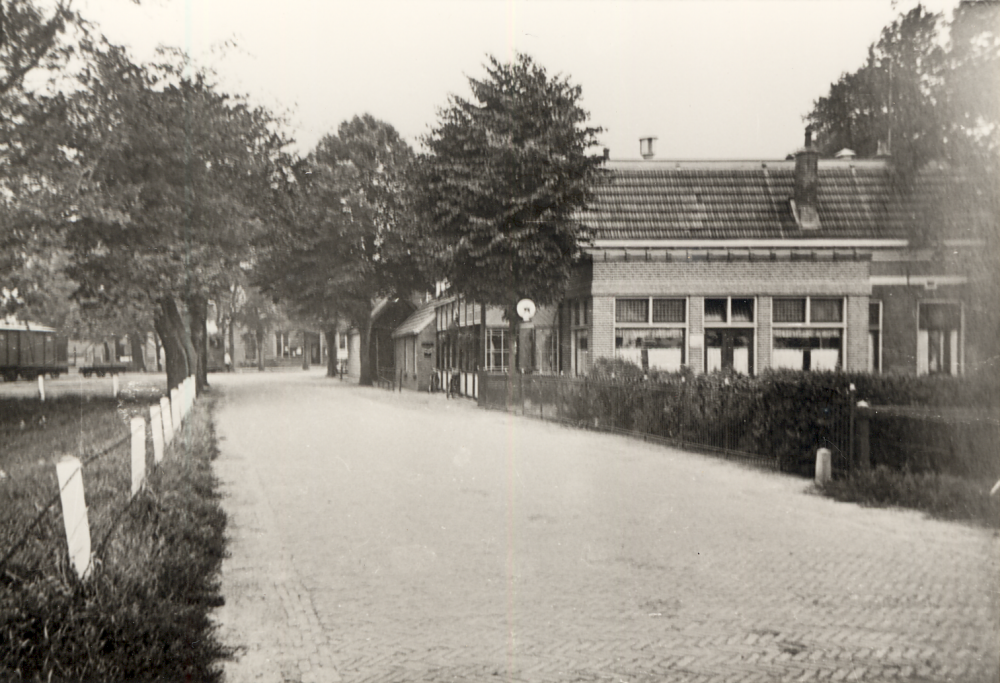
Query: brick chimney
{"type": "Point", "coordinates": [805, 206]}
{"type": "Point", "coordinates": [646, 147]}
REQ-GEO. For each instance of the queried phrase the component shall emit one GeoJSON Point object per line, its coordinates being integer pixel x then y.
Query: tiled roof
{"type": "Point", "coordinates": [661, 200]}
{"type": "Point", "coordinates": [417, 321]}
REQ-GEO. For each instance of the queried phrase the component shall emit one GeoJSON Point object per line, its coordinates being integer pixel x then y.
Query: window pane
{"type": "Point", "coordinates": [789, 311]}
{"type": "Point", "coordinates": [669, 310]}
{"type": "Point", "coordinates": [632, 310]}
{"type": "Point", "coordinates": [874, 309]}
{"type": "Point", "coordinates": [742, 310]}
{"type": "Point", "coordinates": [715, 310]}
{"type": "Point", "coordinates": [827, 310]}
{"type": "Point", "coordinates": [940, 316]}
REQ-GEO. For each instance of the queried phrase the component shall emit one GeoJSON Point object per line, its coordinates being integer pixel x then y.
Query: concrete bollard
{"type": "Point", "coordinates": [41, 388]}
{"type": "Point", "coordinates": [156, 426]}
{"type": "Point", "coordinates": [824, 470]}
{"type": "Point", "coordinates": [69, 473]}
{"type": "Point", "coordinates": [138, 429]}
{"type": "Point", "coordinates": [114, 386]}
{"type": "Point", "coordinates": [168, 422]}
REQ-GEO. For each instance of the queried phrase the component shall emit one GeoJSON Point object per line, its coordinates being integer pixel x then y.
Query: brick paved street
{"type": "Point", "coordinates": [402, 537]}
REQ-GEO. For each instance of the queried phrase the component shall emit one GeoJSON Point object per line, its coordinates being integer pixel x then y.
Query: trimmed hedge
{"type": "Point", "coordinates": [780, 415]}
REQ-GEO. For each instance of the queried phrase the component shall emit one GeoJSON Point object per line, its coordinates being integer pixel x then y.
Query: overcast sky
{"type": "Point", "coordinates": [711, 79]}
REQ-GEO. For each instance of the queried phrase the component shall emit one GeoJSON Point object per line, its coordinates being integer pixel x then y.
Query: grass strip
{"type": "Point", "coordinates": [144, 613]}
{"type": "Point", "coordinates": [941, 496]}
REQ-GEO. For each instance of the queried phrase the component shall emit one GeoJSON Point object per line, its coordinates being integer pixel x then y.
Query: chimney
{"type": "Point", "coordinates": [646, 147]}
{"type": "Point", "coordinates": [804, 202]}
{"type": "Point", "coordinates": [883, 150]}
{"type": "Point", "coordinates": [607, 155]}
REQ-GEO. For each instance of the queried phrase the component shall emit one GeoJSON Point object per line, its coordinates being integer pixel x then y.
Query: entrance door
{"type": "Point", "coordinates": [729, 349]}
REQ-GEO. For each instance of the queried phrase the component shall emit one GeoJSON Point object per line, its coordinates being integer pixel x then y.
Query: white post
{"type": "Point", "coordinates": [175, 408]}
{"type": "Point", "coordinates": [41, 387]}
{"type": "Point", "coordinates": [69, 473]}
{"type": "Point", "coordinates": [168, 423]}
{"type": "Point", "coordinates": [823, 467]}
{"type": "Point", "coordinates": [155, 424]}
{"type": "Point", "coordinates": [138, 453]}
{"type": "Point", "coordinates": [114, 385]}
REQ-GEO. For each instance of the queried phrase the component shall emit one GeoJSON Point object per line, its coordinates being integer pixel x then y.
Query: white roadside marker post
{"type": "Point", "coordinates": [138, 453]}
{"type": "Point", "coordinates": [175, 409]}
{"type": "Point", "coordinates": [69, 473]}
{"type": "Point", "coordinates": [114, 386]}
{"type": "Point", "coordinates": [823, 466]}
{"type": "Point", "coordinates": [156, 425]}
{"type": "Point", "coordinates": [41, 387]}
{"type": "Point", "coordinates": [168, 423]}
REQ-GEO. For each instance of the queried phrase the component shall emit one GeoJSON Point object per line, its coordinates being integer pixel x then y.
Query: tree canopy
{"type": "Point", "coordinates": [505, 173]}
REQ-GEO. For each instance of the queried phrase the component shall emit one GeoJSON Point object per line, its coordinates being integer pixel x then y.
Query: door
{"type": "Point", "coordinates": [729, 349]}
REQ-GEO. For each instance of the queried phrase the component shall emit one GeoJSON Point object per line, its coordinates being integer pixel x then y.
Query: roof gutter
{"type": "Point", "coordinates": [749, 244]}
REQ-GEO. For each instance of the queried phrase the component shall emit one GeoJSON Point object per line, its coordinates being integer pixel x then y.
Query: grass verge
{"type": "Point", "coordinates": [143, 613]}
{"type": "Point", "coordinates": [941, 496]}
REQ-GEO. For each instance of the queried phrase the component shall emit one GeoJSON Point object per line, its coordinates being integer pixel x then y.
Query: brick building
{"type": "Point", "coordinates": [804, 264]}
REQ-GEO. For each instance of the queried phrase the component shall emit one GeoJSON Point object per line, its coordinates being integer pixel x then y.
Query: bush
{"type": "Point", "coordinates": [939, 495]}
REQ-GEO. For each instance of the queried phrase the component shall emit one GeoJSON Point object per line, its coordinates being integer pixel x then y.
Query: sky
{"type": "Point", "coordinates": [710, 79]}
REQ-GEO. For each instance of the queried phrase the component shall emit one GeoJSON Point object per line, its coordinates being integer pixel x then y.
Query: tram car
{"type": "Point", "coordinates": [29, 351]}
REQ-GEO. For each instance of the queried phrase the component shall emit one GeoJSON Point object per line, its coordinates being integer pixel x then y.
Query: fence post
{"type": "Point", "coordinates": [69, 473]}
{"type": "Point", "coordinates": [138, 453]}
{"type": "Point", "coordinates": [166, 414]}
{"type": "Point", "coordinates": [41, 388]}
{"type": "Point", "coordinates": [850, 436]}
{"type": "Point", "coordinates": [155, 424]}
{"type": "Point", "coordinates": [520, 387]}
{"type": "Point", "coordinates": [863, 432]}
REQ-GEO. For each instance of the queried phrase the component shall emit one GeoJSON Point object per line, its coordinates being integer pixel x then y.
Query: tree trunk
{"type": "Point", "coordinates": [259, 336]}
{"type": "Point", "coordinates": [366, 377]}
{"type": "Point", "coordinates": [305, 350]}
{"type": "Point", "coordinates": [180, 322]}
{"type": "Point", "coordinates": [232, 344]}
{"type": "Point", "coordinates": [168, 326]}
{"type": "Point", "coordinates": [138, 350]}
{"type": "Point", "coordinates": [197, 307]}
{"type": "Point", "coordinates": [158, 345]}
{"type": "Point", "coordinates": [331, 350]}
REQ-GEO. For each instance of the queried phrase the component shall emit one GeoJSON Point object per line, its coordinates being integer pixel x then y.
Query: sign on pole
{"type": "Point", "coordinates": [138, 453]}
{"type": "Point", "coordinates": [69, 473]}
{"type": "Point", "coordinates": [168, 423]}
{"type": "Point", "coordinates": [156, 426]}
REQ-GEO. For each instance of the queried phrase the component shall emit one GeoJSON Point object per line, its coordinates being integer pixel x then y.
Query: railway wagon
{"type": "Point", "coordinates": [28, 351]}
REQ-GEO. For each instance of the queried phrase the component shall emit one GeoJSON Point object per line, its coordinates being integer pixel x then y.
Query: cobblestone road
{"type": "Point", "coordinates": [401, 537]}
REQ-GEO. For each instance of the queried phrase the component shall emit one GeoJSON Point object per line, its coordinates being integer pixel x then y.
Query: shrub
{"type": "Point", "coordinates": [940, 495]}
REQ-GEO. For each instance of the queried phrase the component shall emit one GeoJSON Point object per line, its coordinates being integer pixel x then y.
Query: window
{"type": "Point", "coordinates": [544, 349]}
{"type": "Point", "coordinates": [632, 311]}
{"type": "Point", "coordinates": [497, 354]}
{"type": "Point", "coordinates": [581, 352]}
{"type": "Point", "coordinates": [729, 310]}
{"type": "Point", "coordinates": [875, 336]}
{"type": "Point", "coordinates": [808, 333]}
{"type": "Point", "coordinates": [939, 338]}
{"type": "Point", "coordinates": [729, 334]}
{"type": "Point", "coordinates": [651, 332]}
{"type": "Point", "coordinates": [343, 340]}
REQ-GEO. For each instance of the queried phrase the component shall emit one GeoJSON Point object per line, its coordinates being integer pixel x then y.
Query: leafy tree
{"type": "Point", "coordinates": [175, 181]}
{"type": "Point", "coordinates": [349, 233]}
{"type": "Point", "coordinates": [505, 174]}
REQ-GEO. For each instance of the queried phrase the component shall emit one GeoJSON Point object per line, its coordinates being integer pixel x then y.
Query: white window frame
{"type": "Point", "coordinates": [729, 324]}
{"type": "Point", "coordinates": [808, 324]}
{"type": "Point", "coordinates": [959, 360]}
{"type": "Point", "coordinates": [490, 367]}
{"type": "Point", "coordinates": [650, 325]}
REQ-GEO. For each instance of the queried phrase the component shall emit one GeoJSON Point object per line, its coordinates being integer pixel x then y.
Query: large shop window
{"type": "Point", "coordinates": [939, 338]}
{"type": "Point", "coordinates": [808, 333]}
{"type": "Point", "coordinates": [651, 332]}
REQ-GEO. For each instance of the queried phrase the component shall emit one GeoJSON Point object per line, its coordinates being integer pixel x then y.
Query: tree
{"type": "Point", "coordinates": [505, 174]}
{"type": "Point", "coordinates": [891, 98]}
{"type": "Point", "coordinates": [175, 181]}
{"type": "Point", "coordinates": [348, 238]}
